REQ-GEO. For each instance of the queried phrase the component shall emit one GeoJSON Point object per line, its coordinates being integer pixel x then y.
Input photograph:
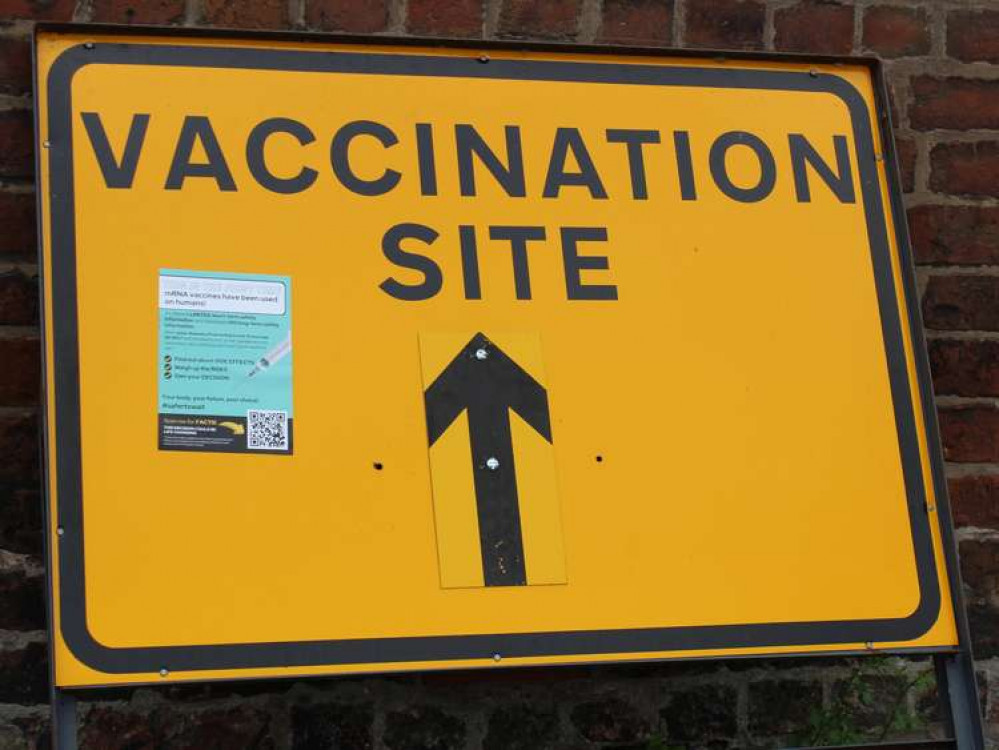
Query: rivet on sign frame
{"type": "Point", "coordinates": [813, 73]}
{"type": "Point", "coordinates": [164, 672]}
{"type": "Point", "coordinates": [88, 45]}
{"type": "Point", "coordinates": [483, 59]}
{"type": "Point", "coordinates": [497, 657]}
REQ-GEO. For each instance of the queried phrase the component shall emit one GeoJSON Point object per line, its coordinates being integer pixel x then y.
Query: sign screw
{"type": "Point", "coordinates": [496, 657]}
{"type": "Point", "coordinates": [88, 45]}
{"type": "Point", "coordinates": [164, 672]}
{"type": "Point", "coordinates": [869, 645]}
{"type": "Point", "coordinates": [481, 353]}
{"type": "Point", "coordinates": [60, 531]}
{"type": "Point", "coordinates": [813, 73]}
{"type": "Point", "coordinates": [483, 58]}
{"type": "Point", "coordinates": [492, 464]}
{"type": "Point", "coordinates": [45, 144]}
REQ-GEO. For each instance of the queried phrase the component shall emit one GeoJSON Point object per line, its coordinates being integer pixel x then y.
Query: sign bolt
{"type": "Point", "coordinates": [813, 73]}
{"type": "Point", "coordinates": [496, 657]}
{"type": "Point", "coordinates": [492, 464]}
{"type": "Point", "coordinates": [88, 45]}
{"type": "Point", "coordinates": [164, 672]}
{"type": "Point", "coordinates": [60, 531]}
{"type": "Point", "coordinates": [45, 144]}
{"type": "Point", "coordinates": [482, 354]}
{"type": "Point", "coordinates": [483, 58]}
{"type": "Point", "coordinates": [869, 645]}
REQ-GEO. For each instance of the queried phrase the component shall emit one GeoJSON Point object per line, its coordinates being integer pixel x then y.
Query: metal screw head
{"type": "Point", "coordinates": [60, 531]}
{"type": "Point", "coordinates": [482, 354]}
{"type": "Point", "coordinates": [496, 657]}
{"type": "Point", "coordinates": [164, 672]}
{"type": "Point", "coordinates": [88, 45]}
{"type": "Point", "coordinates": [492, 464]}
{"type": "Point", "coordinates": [483, 58]}
{"type": "Point", "coordinates": [813, 73]}
{"type": "Point", "coordinates": [869, 645]}
{"type": "Point", "coordinates": [45, 144]}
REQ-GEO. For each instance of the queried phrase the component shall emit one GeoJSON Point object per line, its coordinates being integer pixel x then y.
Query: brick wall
{"type": "Point", "coordinates": [943, 64]}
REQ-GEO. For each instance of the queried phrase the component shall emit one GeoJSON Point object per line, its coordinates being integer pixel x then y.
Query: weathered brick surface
{"type": "Point", "coordinates": [37, 10]}
{"type": "Point", "coordinates": [907, 151]}
{"type": "Point", "coordinates": [970, 434]}
{"type": "Point", "coordinates": [955, 235]}
{"type": "Point", "coordinates": [980, 573]}
{"type": "Point", "coordinates": [24, 674]}
{"type": "Point", "coordinates": [975, 500]}
{"type": "Point", "coordinates": [819, 26]}
{"type": "Point", "coordinates": [424, 728]}
{"type": "Point", "coordinates": [21, 357]}
{"type": "Point", "coordinates": [610, 719]}
{"type": "Point", "coordinates": [15, 65]}
{"type": "Point", "coordinates": [896, 31]}
{"type": "Point", "coordinates": [725, 24]}
{"type": "Point", "coordinates": [332, 726]}
{"type": "Point", "coordinates": [966, 169]}
{"type": "Point", "coordinates": [460, 18]}
{"type": "Point", "coordinates": [159, 12]}
{"type": "Point", "coordinates": [345, 15]}
{"type": "Point", "coordinates": [973, 35]}
{"type": "Point", "coordinates": [701, 714]}
{"type": "Point", "coordinates": [954, 103]}
{"type": "Point", "coordinates": [19, 447]}
{"type": "Point", "coordinates": [781, 707]}
{"type": "Point", "coordinates": [555, 19]}
{"type": "Point", "coordinates": [16, 150]}
{"type": "Point", "coordinates": [17, 217]}
{"type": "Point", "coordinates": [638, 22]}
{"type": "Point", "coordinates": [965, 367]}
{"type": "Point", "coordinates": [962, 303]}
{"type": "Point", "coordinates": [522, 727]}
{"type": "Point", "coordinates": [259, 14]}
{"type": "Point", "coordinates": [23, 601]}
{"type": "Point", "coordinates": [18, 298]}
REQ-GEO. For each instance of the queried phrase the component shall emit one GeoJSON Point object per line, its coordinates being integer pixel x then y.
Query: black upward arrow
{"type": "Point", "coordinates": [488, 384]}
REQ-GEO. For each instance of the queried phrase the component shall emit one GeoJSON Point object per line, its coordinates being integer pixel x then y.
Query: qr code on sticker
{"type": "Point", "coordinates": [267, 430]}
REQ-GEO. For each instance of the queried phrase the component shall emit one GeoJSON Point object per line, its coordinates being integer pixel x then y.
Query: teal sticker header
{"type": "Point", "coordinates": [225, 362]}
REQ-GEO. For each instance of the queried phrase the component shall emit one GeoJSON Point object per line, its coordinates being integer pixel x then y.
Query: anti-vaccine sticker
{"type": "Point", "coordinates": [224, 362]}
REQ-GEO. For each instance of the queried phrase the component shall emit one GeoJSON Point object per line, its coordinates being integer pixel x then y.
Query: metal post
{"type": "Point", "coordinates": [958, 695]}
{"type": "Point", "coordinates": [63, 720]}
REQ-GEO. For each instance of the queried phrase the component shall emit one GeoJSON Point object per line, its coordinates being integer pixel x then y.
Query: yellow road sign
{"type": "Point", "coordinates": [365, 358]}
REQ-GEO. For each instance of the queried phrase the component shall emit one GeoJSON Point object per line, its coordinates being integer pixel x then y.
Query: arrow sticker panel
{"type": "Point", "coordinates": [496, 508]}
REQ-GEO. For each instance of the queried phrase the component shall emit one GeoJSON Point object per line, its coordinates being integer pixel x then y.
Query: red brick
{"type": "Point", "coordinates": [20, 508]}
{"type": "Point", "coordinates": [16, 147]}
{"type": "Point", "coordinates": [15, 66]}
{"type": "Point", "coordinates": [955, 235]}
{"type": "Point", "coordinates": [725, 24]}
{"type": "Point", "coordinates": [19, 448]}
{"type": "Point", "coordinates": [974, 501]}
{"type": "Point", "coordinates": [637, 22]}
{"type": "Point", "coordinates": [160, 12]}
{"type": "Point", "coordinates": [906, 150]}
{"type": "Point", "coordinates": [815, 26]}
{"type": "Point", "coordinates": [17, 218]}
{"type": "Point", "coordinates": [258, 14]}
{"type": "Point", "coordinates": [965, 168]}
{"type": "Point", "coordinates": [954, 103]}
{"type": "Point", "coordinates": [552, 19]}
{"type": "Point", "coordinates": [893, 31]}
{"type": "Point", "coordinates": [980, 574]}
{"type": "Point", "coordinates": [21, 358]}
{"type": "Point", "coordinates": [962, 303]}
{"type": "Point", "coordinates": [24, 674]}
{"type": "Point", "coordinates": [37, 10]}
{"type": "Point", "coordinates": [459, 18]}
{"type": "Point", "coordinates": [965, 367]}
{"type": "Point", "coordinates": [347, 15]}
{"type": "Point", "coordinates": [18, 299]}
{"type": "Point", "coordinates": [970, 434]}
{"type": "Point", "coordinates": [23, 601]}
{"type": "Point", "coordinates": [973, 35]}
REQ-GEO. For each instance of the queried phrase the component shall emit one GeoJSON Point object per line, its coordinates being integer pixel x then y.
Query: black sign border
{"type": "Point", "coordinates": [67, 468]}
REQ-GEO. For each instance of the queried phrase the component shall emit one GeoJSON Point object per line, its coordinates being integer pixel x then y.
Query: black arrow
{"type": "Point", "coordinates": [488, 384]}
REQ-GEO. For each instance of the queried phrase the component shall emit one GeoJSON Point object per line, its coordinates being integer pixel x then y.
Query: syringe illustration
{"type": "Point", "coordinates": [274, 355]}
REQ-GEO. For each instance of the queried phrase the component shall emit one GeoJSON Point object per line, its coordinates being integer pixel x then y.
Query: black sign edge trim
{"type": "Point", "coordinates": [75, 630]}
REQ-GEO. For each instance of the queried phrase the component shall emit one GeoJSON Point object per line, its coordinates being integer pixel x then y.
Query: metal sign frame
{"type": "Point", "coordinates": [954, 667]}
